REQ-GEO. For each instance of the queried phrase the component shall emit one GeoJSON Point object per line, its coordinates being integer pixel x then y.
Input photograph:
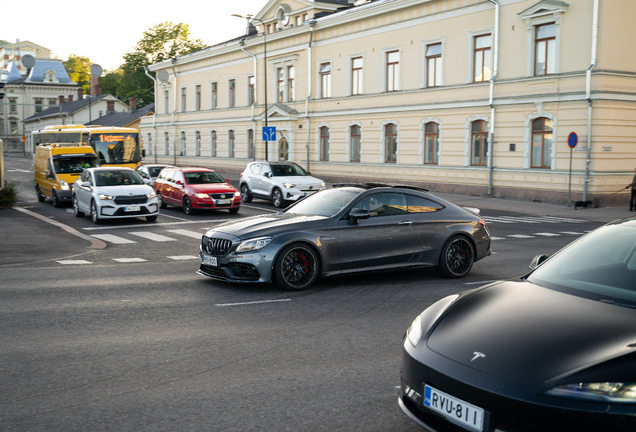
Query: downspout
{"type": "Point", "coordinates": [312, 23]}
{"type": "Point", "coordinates": [491, 138]}
{"type": "Point", "coordinates": [174, 125]}
{"type": "Point", "coordinates": [588, 90]}
{"type": "Point", "coordinates": [154, 113]}
{"type": "Point", "coordinates": [242, 43]}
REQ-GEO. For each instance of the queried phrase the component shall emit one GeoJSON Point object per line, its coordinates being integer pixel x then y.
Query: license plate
{"type": "Point", "coordinates": [209, 260]}
{"type": "Point", "coordinates": [455, 410]}
{"type": "Point", "coordinates": [225, 201]}
{"type": "Point", "coordinates": [132, 209]}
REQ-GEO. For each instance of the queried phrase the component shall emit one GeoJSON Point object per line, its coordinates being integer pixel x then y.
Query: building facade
{"type": "Point", "coordinates": [466, 96]}
{"type": "Point", "coordinates": [13, 53]}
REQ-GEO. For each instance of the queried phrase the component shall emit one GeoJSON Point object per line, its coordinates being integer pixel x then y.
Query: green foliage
{"type": "Point", "coordinates": [8, 195]}
{"type": "Point", "coordinates": [111, 80]}
{"type": "Point", "coordinates": [4, 42]}
{"type": "Point", "coordinates": [79, 70]}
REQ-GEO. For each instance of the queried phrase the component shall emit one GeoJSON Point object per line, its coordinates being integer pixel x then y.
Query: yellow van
{"type": "Point", "coordinates": [57, 166]}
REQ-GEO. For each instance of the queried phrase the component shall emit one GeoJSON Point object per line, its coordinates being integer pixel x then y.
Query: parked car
{"type": "Point", "coordinates": [346, 229]}
{"type": "Point", "coordinates": [194, 188]}
{"type": "Point", "coordinates": [113, 193]}
{"type": "Point", "coordinates": [149, 172]}
{"type": "Point", "coordinates": [554, 350]}
{"type": "Point", "coordinates": [280, 182]}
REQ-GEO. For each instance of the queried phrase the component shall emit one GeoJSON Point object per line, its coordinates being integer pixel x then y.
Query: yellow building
{"type": "Point", "coordinates": [415, 91]}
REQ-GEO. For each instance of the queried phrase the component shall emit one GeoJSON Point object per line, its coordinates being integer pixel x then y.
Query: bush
{"type": "Point", "coordinates": [8, 196]}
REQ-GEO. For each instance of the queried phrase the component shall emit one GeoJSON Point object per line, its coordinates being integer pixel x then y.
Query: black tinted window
{"type": "Point", "coordinates": [422, 205]}
{"type": "Point", "coordinates": [287, 170]}
{"type": "Point", "coordinates": [384, 204]}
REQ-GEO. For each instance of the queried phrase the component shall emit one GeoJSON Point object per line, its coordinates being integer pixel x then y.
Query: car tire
{"type": "Point", "coordinates": [187, 206]}
{"type": "Point", "coordinates": [76, 210]}
{"type": "Point", "coordinates": [457, 257]}
{"type": "Point", "coordinates": [41, 197]}
{"type": "Point", "coordinates": [55, 200]}
{"type": "Point", "coordinates": [162, 203]}
{"type": "Point", "coordinates": [151, 218]}
{"type": "Point", "coordinates": [296, 267]}
{"type": "Point", "coordinates": [234, 210]}
{"type": "Point", "coordinates": [95, 214]}
{"type": "Point", "coordinates": [277, 198]}
{"type": "Point", "coordinates": [246, 195]}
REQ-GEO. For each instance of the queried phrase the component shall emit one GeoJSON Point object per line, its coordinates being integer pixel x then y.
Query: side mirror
{"type": "Point", "coordinates": [537, 261]}
{"type": "Point", "coordinates": [308, 173]}
{"type": "Point", "coordinates": [268, 175]}
{"type": "Point", "coordinates": [145, 180]}
{"type": "Point", "coordinates": [358, 213]}
{"type": "Point", "coordinates": [86, 184]}
{"type": "Point", "coordinates": [227, 180]}
{"type": "Point", "coordinates": [179, 182]}
{"type": "Point", "coordinates": [48, 174]}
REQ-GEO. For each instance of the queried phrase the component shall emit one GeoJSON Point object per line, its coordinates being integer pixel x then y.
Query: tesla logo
{"type": "Point", "coordinates": [478, 355]}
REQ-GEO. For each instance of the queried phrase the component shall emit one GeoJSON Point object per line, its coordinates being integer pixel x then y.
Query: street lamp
{"type": "Point", "coordinates": [250, 18]}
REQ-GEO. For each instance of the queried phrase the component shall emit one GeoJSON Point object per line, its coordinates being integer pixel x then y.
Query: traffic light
{"type": "Point", "coordinates": [1, 92]}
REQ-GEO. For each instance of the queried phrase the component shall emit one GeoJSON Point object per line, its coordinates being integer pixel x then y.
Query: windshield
{"type": "Point", "coordinates": [287, 170]}
{"type": "Point", "coordinates": [73, 164]}
{"type": "Point", "coordinates": [154, 171]}
{"type": "Point", "coordinates": [324, 203]}
{"type": "Point", "coordinates": [601, 266]}
{"type": "Point", "coordinates": [203, 177]}
{"type": "Point", "coordinates": [117, 178]}
{"type": "Point", "coordinates": [116, 148]}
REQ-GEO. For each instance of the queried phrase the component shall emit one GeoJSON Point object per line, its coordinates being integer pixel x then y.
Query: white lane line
{"type": "Point", "coordinates": [183, 257]}
{"type": "Point", "coordinates": [560, 219]}
{"type": "Point", "coordinates": [129, 260]}
{"type": "Point", "coordinates": [173, 217]}
{"type": "Point", "coordinates": [480, 282]}
{"type": "Point", "coordinates": [187, 233]}
{"type": "Point", "coordinates": [260, 208]}
{"type": "Point", "coordinates": [490, 219]}
{"type": "Point", "coordinates": [497, 238]}
{"type": "Point", "coordinates": [152, 236]}
{"type": "Point", "coordinates": [112, 238]}
{"type": "Point", "coordinates": [521, 236]}
{"type": "Point", "coordinates": [547, 234]}
{"type": "Point", "coordinates": [251, 303]}
{"type": "Point", "coordinates": [69, 210]}
{"type": "Point", "coordinates": [159, 224]}
{"type": "Point", "coordinates": [74, 262]}
{"type": "Point", "coordinates": [571, 233]}
{"type": "Point", "coordinates": [18, 170]}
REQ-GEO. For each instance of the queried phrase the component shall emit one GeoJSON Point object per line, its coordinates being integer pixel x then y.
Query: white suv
{"type": "Point", "coordinates": [277, 181]}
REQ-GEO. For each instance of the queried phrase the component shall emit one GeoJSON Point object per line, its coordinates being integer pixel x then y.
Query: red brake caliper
{"type": "Point", "coordinates": [305, 263]}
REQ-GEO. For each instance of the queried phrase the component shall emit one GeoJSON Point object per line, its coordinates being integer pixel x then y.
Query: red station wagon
{"type": "Point", "coordinates": [196, 188]}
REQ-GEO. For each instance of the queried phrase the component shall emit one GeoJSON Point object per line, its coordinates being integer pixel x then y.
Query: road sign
{"type": "Point", "coordinates": [573, 139]}
{"type": "Point", "coordinates": [269, 133]}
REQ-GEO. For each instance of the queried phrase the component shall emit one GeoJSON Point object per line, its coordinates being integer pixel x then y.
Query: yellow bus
{"type": "Point", "coordinates": [114, 146]}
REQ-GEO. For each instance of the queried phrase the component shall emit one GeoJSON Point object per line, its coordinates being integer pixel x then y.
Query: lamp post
{"type": "Point", "coordinates": [249, 18]}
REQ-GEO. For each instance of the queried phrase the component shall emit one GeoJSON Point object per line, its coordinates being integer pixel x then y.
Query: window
{"type": "Point", "coordinates": [482, 58]}
{"type": "Point", "coordinates": [354, 151]}
{"type": "Point", "coordinates": [197, 143]}
{"type": "Point", "coordinates": [230, 143]}
{"type": "Point", "coordinates": [541, 143]}
{"type": "Point", "coordinates": [212, 143]}
{"type": "Point", "coordinates": [279, 85]}
{"type": "Point", "coordinates": [52, 102]}
{"type": "Point", "coordinates": [479, 130]}
{"type": "Point", "coordinates": [390, 143]}
{"type": "Point", "coordinates": [38, 104]}
{"type": "Point", "coordinates": [13, 126]}
{"type": "Point", "coordinates": [197, 98]}
{"type": "Point", "coordinates": [298, 22]}
{"type": "Point", "coordinates": [166, 102]}
{"type": "Point", "coordinates": [13, 105]}
{"type": "Point", "coordinates": [384, 204]}
{"type": "Point", "coordinates": [250, 91]}
{"type": "Point", "coordinates": [325, 80]}
{"type": "Point", "coordinates": [545, 49]}
{"type": "Point", "coordinates": [304, 17]}
{"type": "Point", "coordinates": [422, 205]}
{"type": "Point", "coordinates": [434, 65]}
{"type": "Point", "coordinates": [324, 143]}
{"type": "Point", "coordinates": [392, 70]}
{"type": "Point", "coordinates": [214, 96]}
{"type": "Point", "coordinates": [269, 28]}
{"type": "Point", "coordinates": [182, 144]}
{"type": "Point", "coordinates": [183, 99]}
{"type": "Point", "coordinates": [232, 94]}
{"type": "Point", "coordinates": [166, 143]}
{"type": "Point", "coordinates": [431, 143]}
{"type": "Point", "coordinates": [356, 76]}
{"type": "Point", "coordinates": [291, 75]}
{"type": "Point", "coordinates": [250, 143]}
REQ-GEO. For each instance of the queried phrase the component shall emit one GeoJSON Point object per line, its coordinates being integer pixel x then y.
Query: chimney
{"type": "Point", "coordinates": [132, 102]}
{"type": "Point", "coordinates": [98, 90]}
{"type": "Point", "coordinates": [93, 85]}
{"type": "Point", "coordinates": [70, 98]}
{"type": "Point", "coordinates": [110, 106]}
{"type": "Point", "coordinates": [80, 94]}
{"type": "Point", "coordinates": [60, 100]}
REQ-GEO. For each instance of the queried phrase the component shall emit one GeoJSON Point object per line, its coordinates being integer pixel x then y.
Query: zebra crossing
{"type": "Point", "coordinates": [530, 219]}
{"type": "Point", "coordinates": [148, 235]}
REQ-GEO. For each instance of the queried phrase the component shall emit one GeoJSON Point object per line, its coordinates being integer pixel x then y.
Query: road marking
{"type": "Point", "coordinates": [216, 222]}
{"type": "Point", "coordinates": [70, 210]}
{"type": "Point", "coordinates": [520, 236]}
{"type": "Point", "coordinates": [184, 257]}
{"type": "Point", "coordinates": [530, 219]}
{"type": "Point", "coordinates": [571, 233]}
{"type": "Point", "coordinates": [547, 234]}
{"type": "Point", "coordinates": [18, 170]}
{"type": "Point", "coordinates": [112, 238]}
{"type": "Point", "coordinates": [481, 282]}
{"type": "Point", "coordinates": [174, 217]}
{"type": "Point", "coordinates": [497, 238]}
{"type": "Point", "coordinates": [193, 234]}
{"type": "Point", "coordinates": [260, 208]}
{"type": "Point", "coordinates": [152, 236]}
{"type": "Point", "coordinates": [129, 260]}
{"type": "Point", "coordinates": [251, 303]}
{"type": "Point", "coordinates": [74, 262]}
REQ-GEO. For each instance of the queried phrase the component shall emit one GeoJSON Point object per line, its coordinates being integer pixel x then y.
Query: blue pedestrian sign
{"type": "Point", "coordinates": [269, 133]}
{"type": "Point", "coordinates": [573, 139]}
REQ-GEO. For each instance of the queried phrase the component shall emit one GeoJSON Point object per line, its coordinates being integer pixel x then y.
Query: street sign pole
{"type": "Point", "coordinates": [573, 139]}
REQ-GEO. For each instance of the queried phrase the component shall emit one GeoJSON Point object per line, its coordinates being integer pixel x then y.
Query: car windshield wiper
{"type": "Point", "coordinates": [632, 306]}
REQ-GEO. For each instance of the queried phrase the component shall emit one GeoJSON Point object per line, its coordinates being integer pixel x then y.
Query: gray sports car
{"type": "Point", "coordinates": [346, 229]}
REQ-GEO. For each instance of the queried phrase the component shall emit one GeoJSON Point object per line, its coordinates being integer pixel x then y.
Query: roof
{"type": "Point", "coordinates": [37, 74]}
{"type": "Point", "coordinates": [123, 119]}
{"type": "Point", "coordinates": [66, 108]}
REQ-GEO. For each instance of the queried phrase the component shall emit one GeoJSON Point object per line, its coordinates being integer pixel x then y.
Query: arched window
{"type": "Point", "coordinates": [479, 130]}
{"type": "Point", "coordinates": [250, 143]}
{"type": "Point", "coordinates": [431, 143]}
{"type": "Point", "coordinates": [283, 149]}
{"type": "Point", "coordinates": [324, 143]}
{"type": "Point", "coordinates": [542, 143]}
{"type": "Point", "coordinates": [182, 144]}
{"type": "Point", "coordinates": [230, 143]}
{"type": "Point", "coordinates": [166, 143]}
{"type": "Point", "coordinates": [354, 142]}
{"type": "Point", "coordinates": [197, 143]}
{"type": "Point", "coordinates": [212, 143]}
{"type": "Point", "coordinates": [390, 143]}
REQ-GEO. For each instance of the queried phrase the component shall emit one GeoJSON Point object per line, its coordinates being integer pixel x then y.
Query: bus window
{"type": "Point", "coordinates": [116, 148]}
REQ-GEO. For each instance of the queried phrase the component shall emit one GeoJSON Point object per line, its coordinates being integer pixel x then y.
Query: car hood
{"type": "Point", "coordinates": [264, 224]}
{"type": "Point", "coordinates": [299, 180]}
{"type": "Point", "coordinates": [212, 188]}
{"type": "Point", "coordinates": [531, 334]}
{"type": "Point", "coordinates": [124, 190]}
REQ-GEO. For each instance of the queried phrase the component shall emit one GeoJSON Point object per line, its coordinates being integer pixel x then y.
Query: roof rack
{"type": "Point", "coordinates": [379, 185]}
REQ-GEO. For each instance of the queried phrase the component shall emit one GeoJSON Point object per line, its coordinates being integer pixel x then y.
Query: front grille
{"type": "Point", "coordinates": [135, 199]}
{"type": "Point", "coordinates": [229, 195]}
{"type": "Point", "coordinates": [216, 246]}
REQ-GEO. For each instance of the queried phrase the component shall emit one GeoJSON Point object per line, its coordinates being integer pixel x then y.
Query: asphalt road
{"type": "Point", "coordinates": [129, 338]}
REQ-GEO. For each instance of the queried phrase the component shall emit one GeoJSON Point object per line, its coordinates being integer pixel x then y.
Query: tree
{"type": "Point", "coordinates": [79, 70]}
{"type": "Point", "coordinates": [111, 81]}
{"type": "Point", "coordinates": [3, 42]}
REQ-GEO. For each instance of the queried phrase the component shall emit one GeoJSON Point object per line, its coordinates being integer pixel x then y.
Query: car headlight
{"type": "Point", "coordinates": [64, 185]}
{"type": "Point", "coordinates": [603, 392]}
{"type": "Point", "coordinates": [105, 197]}
{"type": "Point", "coordinates": [254, 244]}
{"type": "Point", "coordinates": [322, 184]}
{"type": "Point", "coordinates": [237, 194]}
{"type": "Point", "coordinates": [289, 185]}
{"type": "Point", "coordinates": [422, 323]}
{"type": "Point", "coordinates": [151, 195]}
{"type": "Point", "coordinates": [201, 195]}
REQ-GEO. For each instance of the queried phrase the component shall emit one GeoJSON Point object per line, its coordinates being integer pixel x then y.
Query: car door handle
{"type": "Point", "coordinates": [405, 223]}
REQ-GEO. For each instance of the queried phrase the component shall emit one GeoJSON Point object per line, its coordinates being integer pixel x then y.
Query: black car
{"type": "Point", "coordinates": [554, 350]}
{"type": "Point", "coordinates": [346, 229]}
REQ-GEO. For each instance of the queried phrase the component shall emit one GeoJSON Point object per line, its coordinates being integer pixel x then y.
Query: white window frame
{"type": "Point", "coordinates": [424, 44]}
{"type": "Point", "coordinates": [211, 104]}
{"type": "Point", "coordinates": [350, 58]}
{"type": "Point", "coordinates": [183, 107]}
{"type": "Point", "coordinates": [284, 63]}
{"type": "Point", "coordinates": [227, 142]}
{"type": "Point", "coordinates": [213, 150]}
{"type": "Point", "coordinates": [422, 146]}
{"type": "Point", "coordinates": [537, 15]}
{"type": "Point", "coordinates": [183, 142]}
{"type": "Point", "coordinates": [527, 138]}
{"type": "Point", "coordinates": [247, 131]}
{"type": "Point", "coordinates": [470, 58]}
{"type": "Point", "coordinates": [227, 89]}
{"type": "Point", "coordinates": [194, 94]}
{"type": "Point", "coordinates": [247, 88]}
{"type": "Point", "coordinates": [348, 141]}
{"type": "Point", "coordinates": [318, 127]}
{"type": "Point", "coordinates": [385, 59]}
{"type": "Point", "coordinates": [197, 145]}
{"type": "Point", "coordinates": [468, 139]}
{"type": "Point", "coordinates": [319, 79]}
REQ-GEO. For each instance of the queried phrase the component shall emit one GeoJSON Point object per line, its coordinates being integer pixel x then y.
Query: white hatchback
{"type": "Point", "coordinates": [280, 182]}
{"type": "Point", "coordinates": [114, 192]}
